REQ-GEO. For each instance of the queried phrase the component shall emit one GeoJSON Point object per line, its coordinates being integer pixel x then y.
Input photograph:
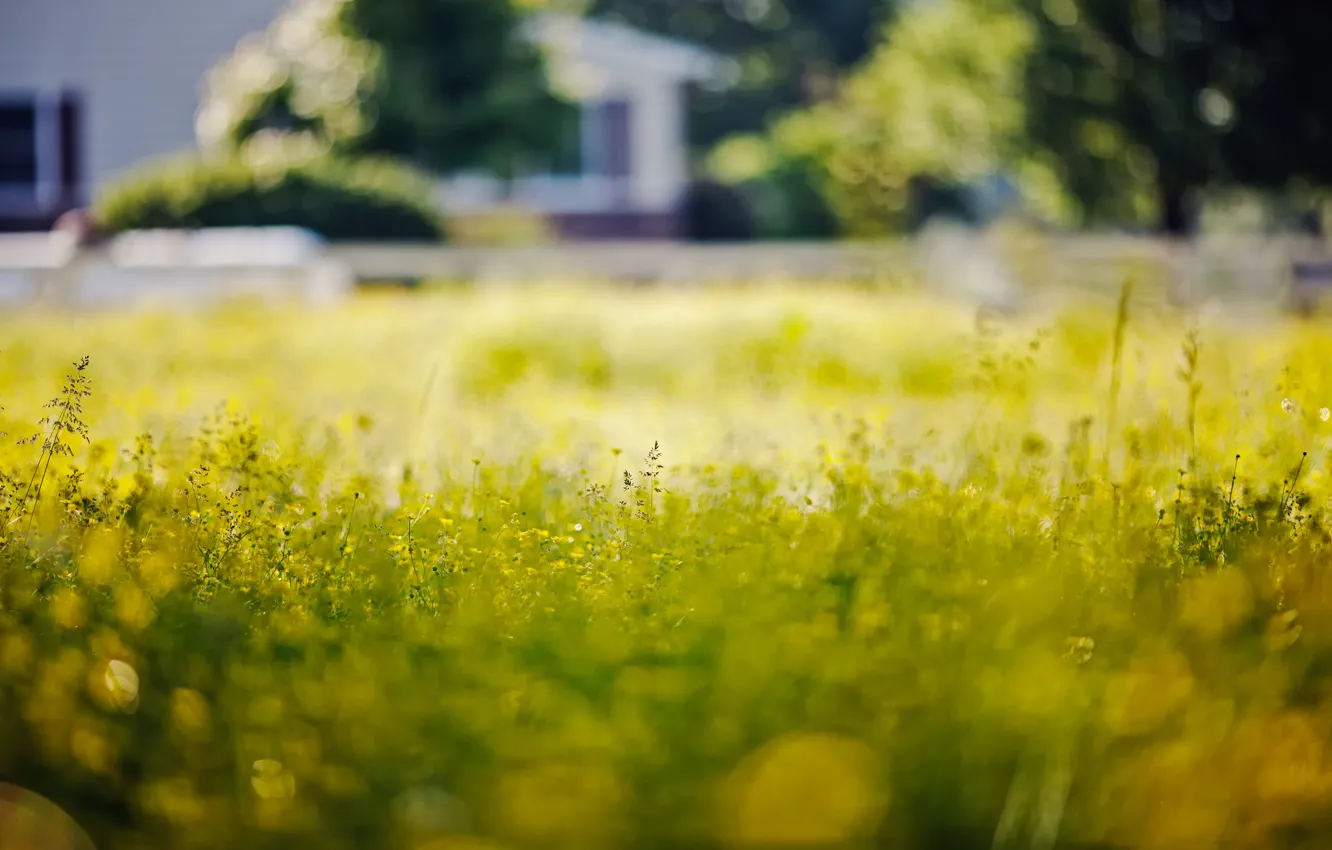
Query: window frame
{"type": "Point", "coordinates": [51, 190]}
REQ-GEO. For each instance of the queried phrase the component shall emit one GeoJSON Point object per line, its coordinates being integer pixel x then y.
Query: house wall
{"type": "Point", "coordinates": [660, 152]}
{"type": "Point", "coordinates": [592, 205]}
{"type": "Point", "coordinates": [659, 156]}
{"type": "Point", "coordinates": [138, 66]}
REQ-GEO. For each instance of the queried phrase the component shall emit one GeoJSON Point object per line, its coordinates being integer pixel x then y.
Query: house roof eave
{"type": "Point", "coordinates": [612, 45]}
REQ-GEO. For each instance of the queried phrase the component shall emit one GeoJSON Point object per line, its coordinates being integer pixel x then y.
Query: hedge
{"type": "Point", "coordinates": [337, 198]}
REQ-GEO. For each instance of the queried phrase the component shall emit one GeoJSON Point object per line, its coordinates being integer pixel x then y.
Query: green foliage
{"type": "Point", "coordinates": [969, 617]}
{"type": "Point", "coordinates": [788, 52]}
{"type": "Point", "coordinates": [1106, 113]}
{"type": "Point", "coordinates": [714, 212]}
{"type": "Point", "coordinates": [337, 198]}
{"type": "Point", "coordinates": [1114, 91]}
{"type": "Point", "coordinates": [783, 188]}
{"type": "Point", "coordinates": [1281, 121]}
{"type": "Point", "coordinates": [1145, 103]}
{"type": "Point", "coordinates": [941, 98]}
{"type": "Point", "coordinates": [443, 84]}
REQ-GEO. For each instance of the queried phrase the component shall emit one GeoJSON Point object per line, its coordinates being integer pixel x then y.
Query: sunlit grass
{"type": "Point", "coordinates": [411, 574]}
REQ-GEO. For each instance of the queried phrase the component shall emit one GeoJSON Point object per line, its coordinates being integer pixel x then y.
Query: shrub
{"type": "Point", "coordinates": [339, 199]}
{"type": "Point", "coordinates": [788, 204]}
{"type": "Point", "coordinates": [784, 189]}
{"type": "Point", "coordinates": [714, 212]}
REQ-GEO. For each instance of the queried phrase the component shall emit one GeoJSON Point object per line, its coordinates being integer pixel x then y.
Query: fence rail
{"type": "Point", "coordinates": [647, 261]}
{"type": "Point", "coordinates": [984, 265]}
{"type": "Point", "coordinates": [1236, 267]}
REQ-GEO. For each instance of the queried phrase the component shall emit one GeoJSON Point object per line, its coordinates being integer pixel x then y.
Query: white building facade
{"type": "Point", "coordinates": [89, 88]}
{"type": "Point", "coordinates": [632, 91]}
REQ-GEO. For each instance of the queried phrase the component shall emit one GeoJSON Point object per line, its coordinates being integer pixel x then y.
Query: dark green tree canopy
{"type": "Point", "coordinates": [1106, 112]}
{"type": "Point", "coordinates": [1178, 95]}
{"type": "Point", "coordinates": [1285, 107]}
{"type": "Point", "coordinates": [787, 52]}
{"type": "Point", "coordinates": [446, 84]}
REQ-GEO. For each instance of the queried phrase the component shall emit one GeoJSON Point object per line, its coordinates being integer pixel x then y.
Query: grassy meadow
{"type": "Point", "coordinates": [567, 568]}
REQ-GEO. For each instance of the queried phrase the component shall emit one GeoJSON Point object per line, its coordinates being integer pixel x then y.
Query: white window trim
{"type": "Point", "coordinates": [47, 140]}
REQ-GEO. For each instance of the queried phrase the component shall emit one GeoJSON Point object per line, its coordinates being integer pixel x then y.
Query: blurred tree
{"type": "Point", "coordinates": [1114, 89]}
{"type": "Point", "coordinates": [1107, 111]}
{"type": "Point", "coordinates": [787, 52]}
{"type": "Point", "coordinates": [1145, 102]}
{"type": "Point", "coordinates": [1283, 109]}
{"type": "Point", "coordinates": [936, 107]}
{"type": "Point", "coordinates": [442, 83]}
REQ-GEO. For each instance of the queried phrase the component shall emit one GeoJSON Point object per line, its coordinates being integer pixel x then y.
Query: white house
{"type": "Point", "coordinates": [631, 88]}
{"type": "Point", "coordinates": [89, 88]}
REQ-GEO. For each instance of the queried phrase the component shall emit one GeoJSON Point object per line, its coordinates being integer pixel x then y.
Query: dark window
{"type": "Point", "coordinates": [606, 138]}
{"type": "Point", "coordinates": [41, 157]}
{"type": "Point", "coordinates": [18, 144]}
{"type": "Point", "coordinates": [615, 138]}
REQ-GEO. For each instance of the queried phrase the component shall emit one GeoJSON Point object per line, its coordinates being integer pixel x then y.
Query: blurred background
{"type": "Point", "coordinates": [1099, 128]}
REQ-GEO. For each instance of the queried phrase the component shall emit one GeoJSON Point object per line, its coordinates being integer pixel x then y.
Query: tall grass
{"type": "Point", "coordinates": [428, 580]}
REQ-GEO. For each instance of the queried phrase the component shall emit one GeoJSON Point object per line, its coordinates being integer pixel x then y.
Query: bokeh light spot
{"type": "Point", "coordinates": [122, 683]}
{"type": "Point", "coordinates": [804, 789]}
{"type": "Point", "coordinates": [272, 781]}
{"type": "Point", "coordinates": [31, 822]}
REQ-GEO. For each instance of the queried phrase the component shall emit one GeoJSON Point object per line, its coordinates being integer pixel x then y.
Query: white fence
{"type": "Point", "coordinates": [1251, 268]}
{"type": "Point", "coordinates": [657, 262]}
{"type": "Point", "coordinates": [207, 266]}
{"type": "Point", "coordinates": [169, 268]}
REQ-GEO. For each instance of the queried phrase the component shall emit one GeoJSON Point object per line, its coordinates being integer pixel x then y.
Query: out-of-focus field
{"type": "Point", "coordinates": [411, 574]}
